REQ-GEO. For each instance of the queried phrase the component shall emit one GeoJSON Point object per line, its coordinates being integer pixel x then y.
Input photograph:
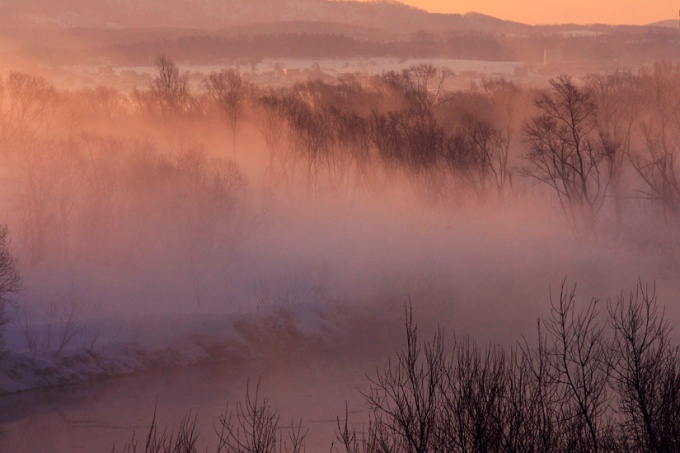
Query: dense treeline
{"type": "Point", "coordinates": [571, 46]}
{"type": "Point", "coordinates": [83, 162]}
{"type": "Point", "coordinates": [473, 46]}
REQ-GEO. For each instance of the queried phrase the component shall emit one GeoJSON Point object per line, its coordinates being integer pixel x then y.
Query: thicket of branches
{"type": "Point", "coordinates": [592, 381]}
{"type": "Point", "coordinates": [251, 427]}
{"type": "Point", "coordinates": [598, 377]}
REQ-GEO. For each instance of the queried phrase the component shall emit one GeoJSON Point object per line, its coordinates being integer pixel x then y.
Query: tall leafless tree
{"type": "Point", "coordinates": [577, 366]}
{"type": "Point", "coordinates": [229, 92]}
{"type": "Point", "coordinates": [656, 162]}
{"type": "Point", "coordinates": [169, 93]}
{"type": "Point", "coordinates": [270, 118]}
{"type": "Point", "coordinates": [645, 373]}
{"type": "Point", "coordinates": [619, 100]}
{"type": "Point", "coordinates": [564, 152]}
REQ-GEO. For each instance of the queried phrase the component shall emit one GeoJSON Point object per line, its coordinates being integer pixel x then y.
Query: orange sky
{"type": "Point", "coordinates": [562, 11]}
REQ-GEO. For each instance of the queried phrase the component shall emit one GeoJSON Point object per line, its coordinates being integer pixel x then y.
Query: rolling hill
{"type": "Point", "coordinates": [217, 14]}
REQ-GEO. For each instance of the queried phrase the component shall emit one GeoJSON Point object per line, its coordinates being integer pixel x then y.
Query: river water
{"type": "Point", "coordinates": [96, 416]}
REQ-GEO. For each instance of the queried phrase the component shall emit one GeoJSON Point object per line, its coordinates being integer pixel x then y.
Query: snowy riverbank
{"type": "Point", "coordinates": [112, 347]}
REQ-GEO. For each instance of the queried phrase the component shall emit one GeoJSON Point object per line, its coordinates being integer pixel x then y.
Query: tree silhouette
{"type": "Point", "coordinates": [564, 152]}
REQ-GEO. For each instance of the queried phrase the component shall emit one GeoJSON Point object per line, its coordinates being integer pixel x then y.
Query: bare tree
{"type": "Point", "coordinates": [169, 93]}
{"type": "Point", "coordinates": [229, 92]}
{"type": "Point", "coordinates": [659, 171]}
{"type": "Point", "coordinates": [10, 279]}
{"type": "Point", "coordinates": [26, 108]}
{"type": "Point", "coordinates": [529, 418]}
{"type": "Point", "coordinates": [489, 150]}
{"type": "Point", "coordinates": [270, 118]}
{"type": "Point", "coordinates": [405, 399]}
{"type": "Point", "coordinates": [101, 103]}
{"type": "Point", "coordinates": [254, 428]}
{"type": "Point", "coordinates": [657, 162]}
{"type": "Point", "coordinates": [645, 372]}
{"type": "Point", "coordinates": [564, 153]}
{"type": "Point", "coordinates": [422, 85]}
{"type": "Point", "coordinates": [577, 366]}
{"type": "Point", "coordinates": [507, 99]}
{"type": "Point", "coordinates": [619, 100]}
{"type": "Point", "coordinates": [45, 178]}
{"type": "Point", "coordinates": [474, 393]}
{"type": "Point", "coordinates": [311, 137]}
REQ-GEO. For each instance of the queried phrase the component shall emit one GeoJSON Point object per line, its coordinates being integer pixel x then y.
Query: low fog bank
{"type": "Point", "coordinates": [486, 271]}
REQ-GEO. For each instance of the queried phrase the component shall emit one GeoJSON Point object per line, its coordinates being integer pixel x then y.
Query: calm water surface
{"type": "Point", "coordinates": [94, 417]}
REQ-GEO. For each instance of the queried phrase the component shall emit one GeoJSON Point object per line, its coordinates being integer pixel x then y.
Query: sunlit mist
{"type": "Point", "coordinates": [310, 225]}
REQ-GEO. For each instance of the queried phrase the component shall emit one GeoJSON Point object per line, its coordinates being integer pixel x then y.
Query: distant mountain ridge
{"type": "Point", "coordinates": [215, 14]}
{"type": "Point", "coordinates": [671, 23]}
{"type": "Point", "coordinates": [206, 31]}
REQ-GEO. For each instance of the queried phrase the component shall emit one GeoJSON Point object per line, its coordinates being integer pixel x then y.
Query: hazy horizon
{"type": "Point", "coordinates": [542, 13]}
{"type": "Point", "coordinates": [530, 12]}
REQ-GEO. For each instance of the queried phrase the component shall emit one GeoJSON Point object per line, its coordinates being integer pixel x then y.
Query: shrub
{"type": "Point", "coordinates": [10, 279]}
